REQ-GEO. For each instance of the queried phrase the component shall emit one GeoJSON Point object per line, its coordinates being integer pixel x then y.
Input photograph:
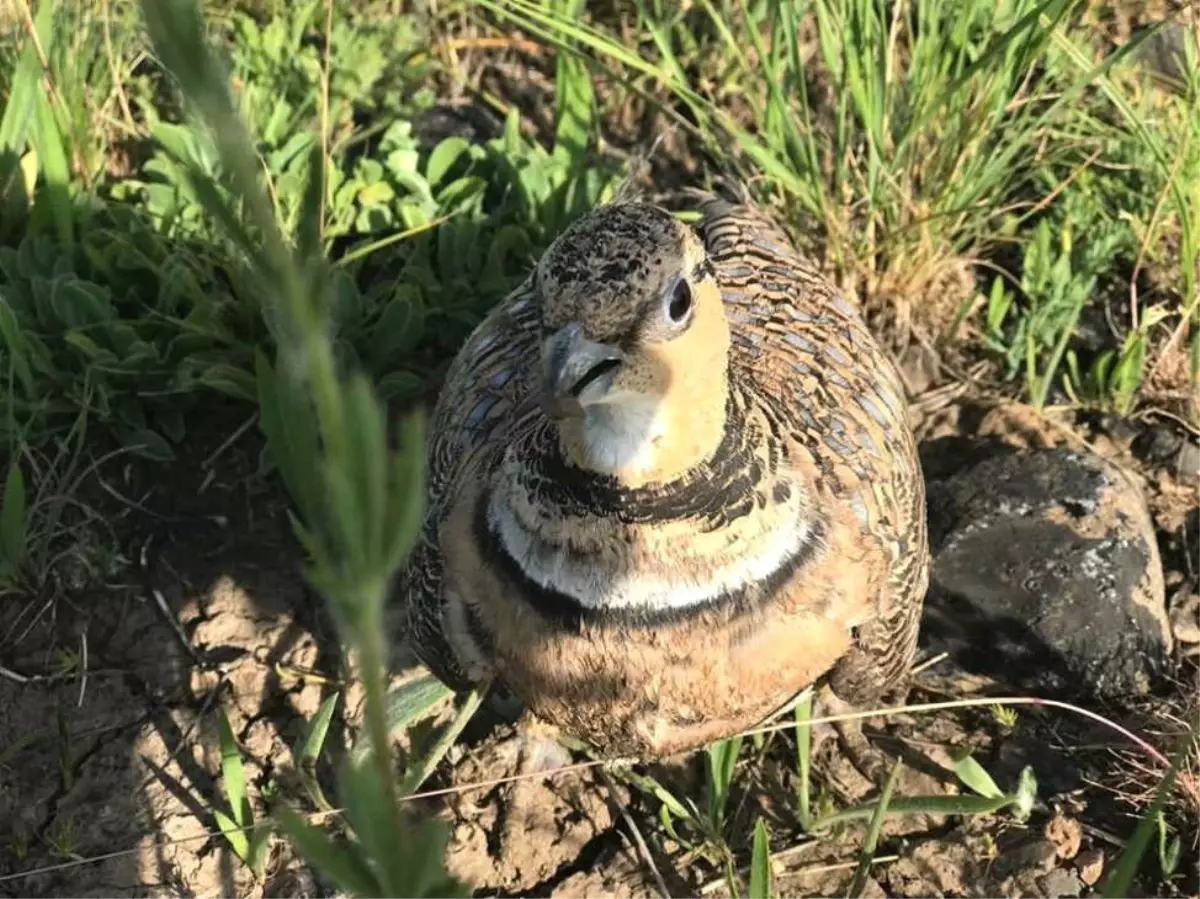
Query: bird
{"type": "Point", "coordinates": [671, 486]}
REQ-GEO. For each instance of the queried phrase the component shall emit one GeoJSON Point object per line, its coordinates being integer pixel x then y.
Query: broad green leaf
{"type": "Point", "coordinates": [399, 326]}
{"type": "Point", "coordinates": [760, 864]}
{"type": "Point", "coordinates": [148, 443]}
{"type": "Point", "coordinates": [233, 833]}
{"type": "Point", "coordinates": [443, 157]}
{"type": "Point", "coordinates": [232, 772]}
{"type": "Point", "coordinates": [309, 749]}
{"type": "Point", "coordinates": [15, 344]}
{"type": "Point", "coordinates": [24, 93]}
{"type": "Point", "coordinates": [343, 864]}
{"type": "Point", "coordinates": [973, 774]}
{"type": "Point", "coordinates": [413, 699]}
{"type": "Point", "coordinates": [52, 151]}
{"type": "Point", "coordinates": [12, 515]}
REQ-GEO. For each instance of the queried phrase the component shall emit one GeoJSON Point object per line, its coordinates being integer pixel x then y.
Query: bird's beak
{"type": "Point", "coordinates": [576, 371]}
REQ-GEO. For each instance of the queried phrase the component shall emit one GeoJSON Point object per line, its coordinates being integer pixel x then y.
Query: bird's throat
{"type": "Point", "coordinates": [639, 441]}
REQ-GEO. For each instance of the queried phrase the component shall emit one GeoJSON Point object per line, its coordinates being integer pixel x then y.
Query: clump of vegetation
{"type": "Point", "coordinates": [255, 212]}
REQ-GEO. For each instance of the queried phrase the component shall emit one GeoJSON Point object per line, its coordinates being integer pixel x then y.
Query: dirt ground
{"type": "Point", "coordinates": [110, 770]}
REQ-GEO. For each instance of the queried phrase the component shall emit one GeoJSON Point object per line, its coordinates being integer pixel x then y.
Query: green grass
{"type": "Point", "coordinates": [272, 227]}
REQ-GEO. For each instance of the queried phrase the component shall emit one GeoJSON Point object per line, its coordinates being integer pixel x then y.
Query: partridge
{"type": "Point", "coordinates": [671, 486]}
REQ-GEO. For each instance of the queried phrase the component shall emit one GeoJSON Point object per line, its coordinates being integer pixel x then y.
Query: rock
{"type": "Point", "coordinates": [1187, 462]}
{"type": "Point", "coordinates": [1037, 856]}
{"type": "Point", "coordinates": [919, 368]}
{"type": "Point", "coordinates": [1046, 574]}
{"type": "Point", "coordinates": [1090, 865]}
{"type": "Point", "coordinates": [1066, 835]}
{"type": "Point", "coordinates": [1157, 443]}
{"type": "Point", "coordinates": [1185, 619]}
{"type": "Point", "coordinates": [1061, 883]}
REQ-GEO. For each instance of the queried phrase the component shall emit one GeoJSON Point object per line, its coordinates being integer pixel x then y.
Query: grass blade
{"type": "Point", "coordinates": [867, 854]}
{"type": "Point", "coordinates": [760, 864]}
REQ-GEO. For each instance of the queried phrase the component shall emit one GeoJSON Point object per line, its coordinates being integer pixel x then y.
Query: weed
{"type": "Point", "coordinates": [249, 838]}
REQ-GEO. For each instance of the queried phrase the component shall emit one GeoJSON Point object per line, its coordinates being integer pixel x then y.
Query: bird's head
{"type": "Point", "coordinates": [635, 343]}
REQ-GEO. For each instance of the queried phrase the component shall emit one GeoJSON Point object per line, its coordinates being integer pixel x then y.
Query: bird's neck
{"type": "Point", "coordinates": [651, 441]}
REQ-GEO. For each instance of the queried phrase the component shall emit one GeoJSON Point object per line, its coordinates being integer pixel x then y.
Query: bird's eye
{"type": "Point", "coordinates": [679, 301]}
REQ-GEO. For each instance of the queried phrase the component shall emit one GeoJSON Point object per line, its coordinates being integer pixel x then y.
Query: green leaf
{"type": "Point", "coordinates": [1121, 879]}
{"type": "Point", "coordinates": [12, 516]}
{"type": "Point", "coordinates": [25, 85]}
{"type": "Point", "coordinates": [867, 853]}
{"type": "Point", "coordinates": [368, 459]}
{"type": "Point", "coordinates": [308, 220]}
{"type": "Point", "coordinates": [399, 326]}
{"type": "Point", "coordinates": [443, 157]}
{"type": "Point", "coordinates": [232, 772]}
{"type": "Point", "coordinates": [291, 437]}
{"type": "Point", "coordinates": [722, 760]}
{"type": "Point", "coordinates": [16, 346]}
{"type": "Point", "coordinates": [398, 384]}
{"type": "Point", "coordinates": [233, 833]}
{"type": "Point", "coordinates": [51, 147]}
{"type": "Point", "coordinates": [376, 824]}
{"type": "Point", "coordinates": [309, 749]}
{"type": "Point", "coordinates": [411, 700]}
{"type": "Point", "coordinates": [227, 379]}
{"type": "Point", "coordinates": [91, 350]}
{"type": "Point", "coordinates": [343, 864]}
{"type": "Point", "coordinates": [971, 773]}
{"type": "Point", "coordinates": [406, 493]}
{"type": "Point", "coordinates": [803, 715]}
{"type": "Point", "coordinates": [148, 443]}
{"type": "Point", "coordinates": [574, 99]}
{"type": "Point", "coordinates": [760, 864]}
{"type": "Point", "coordinates": [25, 93]}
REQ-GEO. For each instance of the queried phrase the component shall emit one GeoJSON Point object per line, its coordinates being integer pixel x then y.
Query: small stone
{"type": "Point", "coordinates": [1061, 883]}
{"type": "Point", "coordinates": [1187, 463]}
{"type": "Point", "coordinates": [1046, 573]}
{"type": "Point", "coordinates": [919, 368]}
{"type": "Point", "coordinates": [1158, 443]}
{"type": "Point", "coordinates": [1036, 855]}
{"type": "Point", "coordinates": [1185, 617]}
{"type": "Point", "coordinates": [1090, 865]}
{"type": "Point", "coordinates": [1066, 835]}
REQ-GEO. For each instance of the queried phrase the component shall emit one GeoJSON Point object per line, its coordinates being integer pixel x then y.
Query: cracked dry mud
{"type": "Point", "coordinates": [107, 784]}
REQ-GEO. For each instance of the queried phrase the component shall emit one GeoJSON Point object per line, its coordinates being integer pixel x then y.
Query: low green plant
{"type": "Point", "coordinates": [760, 886]}
{"type": "Point", "coordinates": [359, 502]}
{"type": "Point", "coordinates": [249, 839]}
{"type": "Point", "coordinates": [1150, 824]}
{"type": "Point", "coordinates": [986, 796]}
{"type": "Point", "coordinates": [932, 123]}
{"type": "Point", "coordinates": [1062, 265]}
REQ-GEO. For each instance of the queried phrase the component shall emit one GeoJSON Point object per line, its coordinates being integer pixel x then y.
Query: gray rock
{"type": "Point", "coordinates": [1187, 462]}
{"type": "Point", "coordinates": [1060, 883]}
{"type": "Point", "coordinates": [1046, 574]}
